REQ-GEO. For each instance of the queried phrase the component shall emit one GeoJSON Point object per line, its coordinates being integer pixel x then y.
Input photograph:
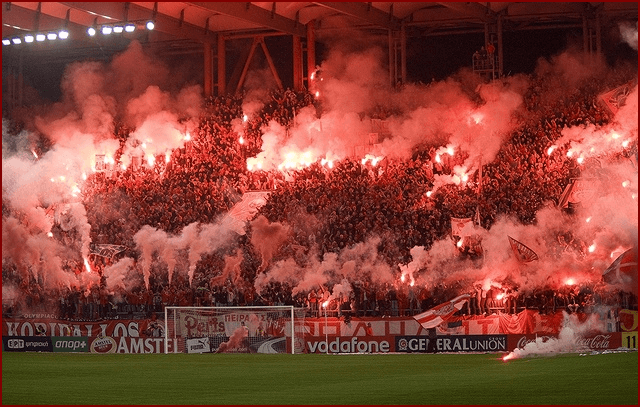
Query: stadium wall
{"type": "Point", "coordinates": [330, 335]}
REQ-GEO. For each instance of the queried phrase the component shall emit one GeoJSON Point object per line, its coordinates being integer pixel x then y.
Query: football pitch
{"type": "Point", "coordinates": [400, 379]}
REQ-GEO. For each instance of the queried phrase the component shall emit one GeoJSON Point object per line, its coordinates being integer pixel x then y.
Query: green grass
{"type": "Point", "coordinates": [62, 378]}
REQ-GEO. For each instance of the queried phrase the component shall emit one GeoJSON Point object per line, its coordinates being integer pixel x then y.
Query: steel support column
{"type": "Point", "coordinates": [598, 33]}
{"type": "Point", "coordinates": [403, 53]}
{"type": "Point", "coordinates": [297, 63]}
{"type": "Point", "coordinates": [222, 60]}
{"type": "Point", "coordinates": [585, 34]}
{"type": "Point", "coordinates": [208, 69]}
{"type": "Point", "coordinates": [311, 53]}
{"type": "Point", "coordinates": [392, 62]}
{"type": "Point", "coordinates": [500, 49]}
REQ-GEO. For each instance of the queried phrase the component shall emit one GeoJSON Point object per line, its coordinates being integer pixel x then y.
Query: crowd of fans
{"type": "Point", "coordinates": [349, 202]}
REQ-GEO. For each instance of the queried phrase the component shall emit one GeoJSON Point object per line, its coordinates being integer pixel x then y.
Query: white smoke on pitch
{"type": "Point", "coordinates": [568, 341]}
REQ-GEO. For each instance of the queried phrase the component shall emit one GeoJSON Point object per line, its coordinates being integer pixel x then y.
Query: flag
{"type": "Point", "coordinates": [107, 250]}
{"type": "Point", "coordinates": [615, 98]}
{"type": "Point", "coordinates": [579, 190]}
{"type": "Point", "coordinates": [438, 314]}
{"type": "Point", "coordinates": [245, 210]}
{"type": "Point", "coordinates": [623, 270]}
{"type": "Point", "coordinates": [462, 227]}
{"type": "Point", "coordinates": [522, 252]}
{"type": "Point", "coordinates": [563, 202]}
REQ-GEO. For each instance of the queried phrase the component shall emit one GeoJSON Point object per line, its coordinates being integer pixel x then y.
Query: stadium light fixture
{"type": "Point", "coordinates": [40, 37]}
{"type": "Point", "coordinates": [150, 25]}
{"type": "Point", "coordinates": [52, 36]}
{"type": "Point", "coordinates": [118, 29]}
{"type": "Point", "coordinates": [29, 38]}
{"type": "Point", "coordinates": [6, 41]}
{"type": "Point", "coordinates": [91, 31]}
{"type": "Point", "coordinates": [107, 29]}
{"type": "Point", "coordinates": [63, 34]}
{"type": "Point", "coordinates": [130, 28]}
{"type": "Point", "coordinates": [16, 40]}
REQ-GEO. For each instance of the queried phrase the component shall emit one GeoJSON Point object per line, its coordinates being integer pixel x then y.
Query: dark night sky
{"type": "Point", "coordinates": [435, 57]}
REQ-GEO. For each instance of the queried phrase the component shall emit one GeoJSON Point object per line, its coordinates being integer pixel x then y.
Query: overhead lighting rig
{"type": "Point", "coordinates": [31, 37]}
{"type": "Point", "coordinates": [37, 35]}
{"type": "Point", "coordinates": [120, 27]}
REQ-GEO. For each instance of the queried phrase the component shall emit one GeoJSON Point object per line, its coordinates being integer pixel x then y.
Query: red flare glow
{"type": "Point", "coordinates": [508, 357]}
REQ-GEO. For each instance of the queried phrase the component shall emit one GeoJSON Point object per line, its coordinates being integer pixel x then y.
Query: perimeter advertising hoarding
{"type": "Point", "coordinates": [460, 343]}
{"type": "Point", "coordinates": [451, 343]}
{"type": "Point", "coordinates": [592, 342]}
{"type": "Point", "coordinates": [70, 344]}
{"type": "Point", "coordinates": [127, 344]}
{"type": "Point", "coordinates": [27, 344]}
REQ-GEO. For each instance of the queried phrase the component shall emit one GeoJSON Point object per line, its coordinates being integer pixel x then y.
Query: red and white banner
{"type": "Point", "coordinates": [438, 314]}
{"type": "Point", "coordinates": [615, 98]}
{"type": "Point", "coordinates": [522, 252]}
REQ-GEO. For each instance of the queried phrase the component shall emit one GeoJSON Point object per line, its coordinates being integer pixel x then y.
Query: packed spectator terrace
{"type": "Point", "coordinates": [350, 202]}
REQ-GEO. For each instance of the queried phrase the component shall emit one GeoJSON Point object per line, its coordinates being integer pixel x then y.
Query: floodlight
{"type": "Point", "coordinates": [118, 29]}
{"type": "Point", "coordinates": [91, 31]}
{"type": "Point", "coordinates": [29, 38]}
{"type": "Point", "coordinates": [6, 41]}
{"type": "Point", "coordinates": [40, 37]}
{"type": "Point", "coordinates": [150, 25]}
{"type": "Point", "coordinates": [106, 29]}
{"type": "Point", "coordinates": [63, 34]}
{"type": "Point", "coordinates": [130, 28]}
{"type": "Point", "coordinates": [52, 36]}
{"type": "Point", "coordinates": [17, 40]}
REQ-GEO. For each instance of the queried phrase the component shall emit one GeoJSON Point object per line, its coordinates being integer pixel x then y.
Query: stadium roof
{"type": "Point", "coordinates": [201, 21]}
{"type": "Point", "coordinates": [188, 28]}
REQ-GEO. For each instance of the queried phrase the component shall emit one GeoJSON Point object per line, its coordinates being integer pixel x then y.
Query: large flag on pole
{"type": "Point", "coordinates": [615, 98]}
{"type": "Point", "coordinates": [624, 270]}
{"type": "Point", "coordinates": [462, 227]}
{"type": "Point", "coordinates": [440, 313]}
{"type": "Point", "coordinates": [522, 252]}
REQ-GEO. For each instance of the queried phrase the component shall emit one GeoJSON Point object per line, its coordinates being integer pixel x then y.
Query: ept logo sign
{"type": "Point", "coordinates": [26, 343]}
{"type": "Point", "coordinates": [15, 343]}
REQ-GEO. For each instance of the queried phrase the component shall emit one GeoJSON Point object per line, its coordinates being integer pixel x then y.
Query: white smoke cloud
{"type": "Point", "coordinates": [568, 340]}
{"type": "Point", "coordinates": [630, 34]}
{"type": "Point", "coordinates": [196, 240]}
